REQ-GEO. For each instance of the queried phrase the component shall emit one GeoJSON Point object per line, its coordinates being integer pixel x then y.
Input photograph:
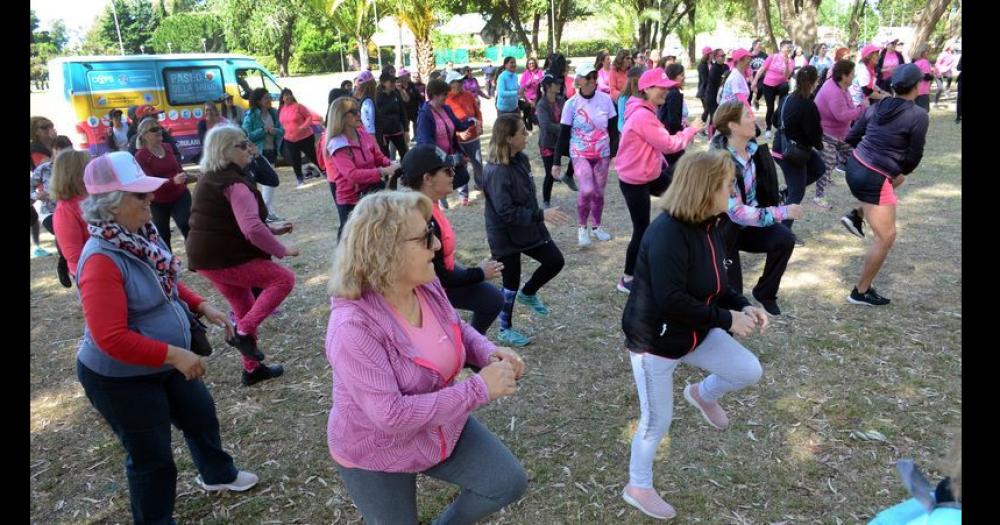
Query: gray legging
{"type": "Point", "coordinates": [490, 477]}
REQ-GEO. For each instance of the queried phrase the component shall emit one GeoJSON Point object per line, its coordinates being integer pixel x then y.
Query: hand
{"type": "Point", "coordinates": [697, 124]}
{"type": "Point", "coordinates": [270, 130]}
{"type": "Point", "coordinates": [795, 211]}
{"type": "Point", "coordinates": [491, 268]}
{"type": "Point", "coordinates": [216, 317]}
{"type": "Point", "coordinates": [281, 229]}
{"type": "Point", "coordinates": [180, 178]}
{"type": "Point", "coordinates": [759, 316]}
{"type": "Point", "coordinates": [503, 353]}
{"type": "Point", "coordinates": [291, 251]}
{"type": "Point", "coordinates": [556, 217]}
{"type": "Point", "coordinates": [499, 378]}
{"type": "Point", "coordinates": [556, 172]}
{"type": "Point", "coordinates": [185, 361]}
{"type": "Point", "coordinates": [743, 324]}
{"type": "Point", "coordinates": [898, 181]}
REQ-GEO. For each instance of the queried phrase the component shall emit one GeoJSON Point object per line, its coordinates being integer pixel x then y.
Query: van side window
{"type": "Point", "coordinates": [251, 79]}
{"type": "Point", "coordinates": [192, 85]}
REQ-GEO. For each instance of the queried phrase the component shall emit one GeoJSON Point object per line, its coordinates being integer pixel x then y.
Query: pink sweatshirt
{"type": "Point", "coordinates": [644, 141]}
{"type": "Point", "coordinates": [247, 213]}
{"type": "Point", "coordinates": [392, 413]}
{"type": "Point", "coordinates": [924, 87]}
{"type": "Point", "coordinates": [355, 165]}
{"type": "Point", "coordinates": [530, 81]}
{"type": "Point", "coordinates": [297, 121]}
{"type": "Point", "coordinates": [836, 110]}
{"type": "Point", "coordinates": [777, 69]}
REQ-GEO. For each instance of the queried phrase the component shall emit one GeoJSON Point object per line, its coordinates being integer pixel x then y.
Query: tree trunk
{"type": "Point", "coordinates": [764, 29]}
{"type": "Point", "coordinates": [951, 32]}
{"type": "Point", "coordinates": [562, 7]}
{"type": "Point", "coordinates": [653, 38]}
{"type": "Point", "coordinates": [692, 52]}
{"type": "Point", "coordinates": [926, 19]}
{"type": "Point", "coordinates": [854, 24]}
{"type": "Point", "coordinates": [534, 30]}
{"type": "Point", "coordinates": [362, 52]}
{"type": "Point", "coordinates": [425, 56]}
{"type": "Point", "coordinates": [799, 18]}
{"type": "Point", "coordinates": [551, 36]}
{"type": "Point", "coordinates": [515, 16]}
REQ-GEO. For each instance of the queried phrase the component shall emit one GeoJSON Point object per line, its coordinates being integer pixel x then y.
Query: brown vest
{"type": "Point", "coordinates": [215, 240]}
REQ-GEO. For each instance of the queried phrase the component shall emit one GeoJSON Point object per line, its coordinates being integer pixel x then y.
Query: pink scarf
{"type": "Point", "coordinates": [142, 244]}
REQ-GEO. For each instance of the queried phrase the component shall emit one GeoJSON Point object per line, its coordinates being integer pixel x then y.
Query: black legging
{"type": "Point", "coordinates": [548, 181]}
{"type": "Point", "coordinates": [550, 261]}
{"type": "Point", "coordinates": [769, 95]}
{"type": "Point", "coordinates": [706, 112]}
{"type": "Point", "coordinates": [61, 265]}
{"type": "Point", "coordinates": [637, 201]}
{"type": "Point", "coordinates": [397, 140]}
{"type": "Point", "coordinates": [180, 210]}
{"type": "Point", "coordinates": [293, 151]}
{"type": "Point", "coordinates": [797, 177]}
{"type": "Point", "coordinates": [36, 231]}
{"type": "Point", "coordinates": [343, 210]}
{"type": "Point", "coordinates": [776, 240]}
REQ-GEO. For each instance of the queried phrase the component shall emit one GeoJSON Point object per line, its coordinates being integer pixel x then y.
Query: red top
{"type": "Point", "coordinates": [71, 230]}
{"type": "Point", "coordinates": [39, 157]}
{"type": "Point", "coordinates": [464, 106]}
{"type": "Point", "coordinates": [447, 237]}
{"type": "Point", "coordinates": [165, 168]}
{"type": "Point", "coordinates": [105, 308]}
{"type": "Point", "coordinates": [297, 121]}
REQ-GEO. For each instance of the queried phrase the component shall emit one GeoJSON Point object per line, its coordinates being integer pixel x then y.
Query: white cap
{"type": "Point", "coordinates": [454, 76]}
{"type": "Point", "coordinates": [584, 70]}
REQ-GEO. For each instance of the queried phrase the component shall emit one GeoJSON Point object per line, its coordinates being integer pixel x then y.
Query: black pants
{"type": "Point", "coordinates": [294, 151]}
{"type": "Point", "coordinates": [637, 201]}
{"type": "Point", "coordinates": [923, 101]}
{"type": "Point", "coordinates": [770, 93]}
{"type": "Point", "coordinates": [271, 156]}
{"type": "Point", "coordinates": [549, 258]}
{"type": "Point", "coordinates": [798, 177]}
{"type": "Point", "coordinates": [482, 299]}
{"type": "Point", "coordinates": [61, 265]}
{"type": "Point", "coordinates": [180, 210]}
{"type": "Point", "coordinates": [397, 140]}
{"type": "Point", "coordinates": [36, 231]}
{"type": "Point", "coordinates": [760, 88]}
{"type": "Point", "coordinates": [343, 210]}
{"type": "Point", "coordinates": [777, 241]}
{"type": "Point", "coordinates": [547, 183]}
{"type": "Point", "coordinates": [958, 100]}
{"type": "Point", "coordinates": [706, 111]}
{"type": "Point", "coordinates": [140, 411]}
{"type": "Point", "coordinates": [710, 106]}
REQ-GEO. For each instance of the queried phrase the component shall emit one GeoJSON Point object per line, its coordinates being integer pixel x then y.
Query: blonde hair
{"type": "Point", "coordinates": [67, 174]}
{"type": "Point", "coordinates": [144, 126]}
{"type": "Point", "coordinates": [728, 113]}
{"type": "Point", "coordinates": [369, 253]}
{"type": "Point", "coordinates": [698, 177]}
{"type": "Point", "coordinates": [215, 152]}
{"type": "Point", "coordinates": [335, 116]}
{"type": "Point", "coordinates": [505, 127]}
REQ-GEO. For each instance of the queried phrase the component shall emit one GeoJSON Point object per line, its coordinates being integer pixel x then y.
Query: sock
{"type": "Point", "coordinates": [250, 365]}
{"type": "Point", "coordinates": [508, 308]}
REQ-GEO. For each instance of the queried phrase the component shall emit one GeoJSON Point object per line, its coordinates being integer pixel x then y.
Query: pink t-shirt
{"type": "Point", "coordinates": [589, 119]}
{"type": "Point", "coordinates": [296, 120]}
{"type": "Point", "coordinates": [444, 129]}
{"type": "Point", "coordinates": [777, 70]}
{"type": "Point", "coordinates": [530, 81]}
{"type": "Point", "coordinates": [924, 88]}
{"type": "Point", "coordinates": [889, 63]}
{"type": "Point", "coordinates": [433, 346]}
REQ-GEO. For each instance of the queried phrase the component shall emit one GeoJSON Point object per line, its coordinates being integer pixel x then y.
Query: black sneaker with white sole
{"type": "Point", "coordinates": [869, 298]}
{"type": "Point", "coordinates": [854, 223]}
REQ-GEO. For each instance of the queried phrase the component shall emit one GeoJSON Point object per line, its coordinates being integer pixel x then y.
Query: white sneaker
{"type": "Point", "coordinates": [583, 236]}
{"type": "Point", "coordinates": [244, 481]}
{"type": "Point", "coordinates": [600, 234]}
{"type": "Point", "coordinates": [768, 135]}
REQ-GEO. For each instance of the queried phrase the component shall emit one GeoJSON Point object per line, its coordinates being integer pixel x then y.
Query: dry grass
{"type": "Point", "coordinates": [830, 369]}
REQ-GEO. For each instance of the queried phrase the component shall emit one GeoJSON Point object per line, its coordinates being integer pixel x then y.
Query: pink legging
{"type": "Point", "coordinates": [591, 176]}
{"type": "Point", "coordinates": [235, 282]}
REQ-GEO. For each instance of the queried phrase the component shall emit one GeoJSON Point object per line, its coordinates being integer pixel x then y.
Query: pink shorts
{"type": "Point", "coordinates": [868, 185]}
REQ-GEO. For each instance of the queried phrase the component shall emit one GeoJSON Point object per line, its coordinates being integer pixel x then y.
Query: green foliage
{"type": "Point", "coordinates": [138, 21]}
{"type": "Point", "coordinates": [185, 31]}
{"type": "Point", "coordinates": [45, 45]}
{"type": "Point", "coordinates": [589, 48]}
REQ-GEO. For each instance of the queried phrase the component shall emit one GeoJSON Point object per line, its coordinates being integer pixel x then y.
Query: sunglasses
{"type": "Point", "coordinates": [427, 237]}
{"type": "Point", "coordinates": [243, 145]}
{"type": "Point", "coordinates": [154, 130]}
{"type": "Point", "coordinates": [140, 196]}
{"type": "Point", "coordinates": [354, 112]}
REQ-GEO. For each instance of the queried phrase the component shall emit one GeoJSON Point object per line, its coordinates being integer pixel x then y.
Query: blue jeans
{"type": "Point", "coordinates": [140, 411]}
{"type": "Point", "coordinates": [473, 150]}
{"type": "Point", "coordinates": [490, 477]}
{"type": "Point", "coordinates": [798, 177]}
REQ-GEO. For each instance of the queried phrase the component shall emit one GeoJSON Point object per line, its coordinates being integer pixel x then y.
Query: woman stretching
{"type": "Point", "coordinates": [776, 71]}
{"type": "Point", "coordinates": [682, 311]}
{"type": "Point", "coordinates": [299, 139]}
{"type": "Point", "coordinates": [643, 170]}
{"type": "Point", "coordinates": [515, 224]}
{"type": "Point", "coordinates": [836, 113]}
{"type": "Point", "coordinates": [589, 137]}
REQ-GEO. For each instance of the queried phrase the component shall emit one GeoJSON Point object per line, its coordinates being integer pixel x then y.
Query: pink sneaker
{"type": "Point", "coordinates": [649, 502]}
{"type": "Point", "coordinates": [712, 412]}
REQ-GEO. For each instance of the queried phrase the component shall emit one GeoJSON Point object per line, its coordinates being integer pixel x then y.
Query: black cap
{"type": "Point", "coordinates": [425, 158]}
{"type": "Point", "coordinates": [386, 76]}
{"type": "Point", "coordinates": [906, 76]}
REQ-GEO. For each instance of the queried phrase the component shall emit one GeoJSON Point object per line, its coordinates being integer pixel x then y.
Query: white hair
{"type": "Point", "coordinates": [97, 208]}
{"type": "Point", "coordinates": [215, 152]}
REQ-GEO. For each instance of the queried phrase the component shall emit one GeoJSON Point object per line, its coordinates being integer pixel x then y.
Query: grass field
{"type": "Point", "coordinates": [830, 368]}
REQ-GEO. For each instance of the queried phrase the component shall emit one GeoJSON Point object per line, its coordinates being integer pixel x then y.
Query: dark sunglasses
{"type": "Point", "coordinates": [140, 196]}
{"type": "Point", "coordinates": [427, 237]}
{"type": "Point", "coordinates": [354, 112]}
{"type": "Point", "coordinates": [154, 130]}
{"type": "Point", "coordinates": [243, 145]}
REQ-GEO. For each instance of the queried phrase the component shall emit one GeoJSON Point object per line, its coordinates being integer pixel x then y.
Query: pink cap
{"type": "Point", "coordinates": [739, 54]}
{"type": "Point", "coordinates": [118, 171]}
{"type": "Point", "coordinates": [364, 76]}
{"type": "Point", "coordinates": [706, 50]}
{"type": "Point", "coordinates": [403, 72]}
{"type": "Point", "coordinates": [869, 49]}
{"type": "Point", "coordinates": [655, 78]}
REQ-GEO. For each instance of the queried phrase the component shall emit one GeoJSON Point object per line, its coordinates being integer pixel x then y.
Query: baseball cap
{"type": "Point", "coordinates": [739, 54]}
{"type": "Point", "coordinates": [146, 110]}
{"type": "Point", "coordinates": [869, 49]}
{"type": "Point", "coordinates": [403, 72]}
{"type": "Point", "coordinates": [706, 50]}
{"type": "Point", "coordinates": [425, 158]}
{"type": "Point", "coordinates": [364, 76]}
{"type": "Point", "coordinates": [584, 70]}
{"type": "Point", "coordinates": [118, 171]}
{"type": "Point", "coordinates": [454, 76]}
{"type": "Point", "coordinates": [655, 78]}
{"type": "Point", "coordinates": [906, 76]}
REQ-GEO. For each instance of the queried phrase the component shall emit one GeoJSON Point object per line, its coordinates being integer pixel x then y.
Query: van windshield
{"type": "Point", "coordinates": [251, 79]}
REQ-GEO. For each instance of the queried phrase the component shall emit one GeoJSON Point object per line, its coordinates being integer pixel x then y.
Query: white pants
{"type": "Point", "coordinates": [267, 192]}
{"type": "Point", "coordinates": [732, 367]}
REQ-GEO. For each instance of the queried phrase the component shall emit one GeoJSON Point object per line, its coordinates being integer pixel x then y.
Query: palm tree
{"type": "Point", "coordinates": [420, 19]}
{"type": "Point", "coordinates": [352, 17]}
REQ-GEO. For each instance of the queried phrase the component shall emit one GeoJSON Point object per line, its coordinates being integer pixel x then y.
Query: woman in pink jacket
{"type": "Point", "coordinates": [298, 122]}
{"type": "Point", "coordinates": [396, 347]}
{"type": "Point", "coordinates": [355, 163]}
{"type": "Point", "coordinates": [642, 170]}
{"type": "Point", "coordinates": [836, 113]}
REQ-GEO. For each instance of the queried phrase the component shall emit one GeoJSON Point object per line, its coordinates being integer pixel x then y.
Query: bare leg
{"type": "Point", "coordinates": [882, 220]}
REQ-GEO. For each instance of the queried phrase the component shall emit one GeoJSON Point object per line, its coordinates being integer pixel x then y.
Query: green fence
{"type": "Point", "coordinates": [497, 53]}
{"type": "Point", "coordinates": [455, 56]}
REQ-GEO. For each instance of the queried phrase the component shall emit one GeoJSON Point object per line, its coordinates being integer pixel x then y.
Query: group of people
{"type": "Point", "coordinates": [394, 340]}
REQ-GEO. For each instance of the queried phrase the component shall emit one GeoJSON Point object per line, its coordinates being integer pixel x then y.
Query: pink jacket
{"type": "Point", "coordinates": [355, 167]}
{"type": "Point", "coordinates": [836, 110]}
{"type": "Point", "coordinates": [644, 142]}
{"type": "Point", "coordinates": [392, 411]}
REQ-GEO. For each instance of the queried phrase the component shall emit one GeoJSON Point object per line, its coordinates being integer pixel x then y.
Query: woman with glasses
{"type": "Point", "coordinates": [231, 245]}
{"type": "Point", "coordinates": [211, 119]}
{"type": "Point", "coordinates": [157, 159]}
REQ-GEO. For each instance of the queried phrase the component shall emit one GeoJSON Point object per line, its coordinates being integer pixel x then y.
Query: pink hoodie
{"type": "Point", "coordinates": [644, 142]}
{"type": "Point", "coordinates": [836, 110]}
{"type": "Point", "coordinates": [392, 410]}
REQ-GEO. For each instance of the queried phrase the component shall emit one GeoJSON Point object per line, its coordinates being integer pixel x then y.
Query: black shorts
{"type": "Point", "coordinates": [868, 185]}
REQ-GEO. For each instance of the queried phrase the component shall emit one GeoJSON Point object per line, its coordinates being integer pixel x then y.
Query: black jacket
{"type": "Point", "coordinates": [671, 114]}
{"type": "Point", "coordinates": [800, 120]}
{"type": "Point", "coordinates": [390, 115]}
{"type": "Point", "coordinates": [548, 136]}
{"type": "Point", "coordinates": [680, 291]}
{"type": "Point", "coordinates": [766, 185]}
{"type": "Point", "coordinates": [416, 100]}
{"type": "Point", "coordinates": [715, 75]}
{"type": "Point", "coordinates": [890, 136]}
{"type": "Point", "coordinates": [514, 222]}
{"type": "Point", "coordinates": [702, 78]}
{"type": "Point", "coordinates": [886, 85]}
{"type": "Point", "coordinates": [460, 276]}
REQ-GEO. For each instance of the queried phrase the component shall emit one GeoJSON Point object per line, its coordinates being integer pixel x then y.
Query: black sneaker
{"type": "Point", "coordinates": [247, 345]}
{"type": "Point", "coordinates": [854, 223]}
{"type": "Point", "coordinates": [869, 298]}
{"type": "Point", "coordinates": [62, 268]}
{"type": "Point", "coordinates": [570, 183]}
{"type": "Point", "coordinates": [262, 373]}
{"type": "Point", "coordinates": [770, 305]}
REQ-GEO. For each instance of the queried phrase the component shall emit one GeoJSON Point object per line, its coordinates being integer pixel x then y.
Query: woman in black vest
{"type": "Point", "coordinates": [230, 245]}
